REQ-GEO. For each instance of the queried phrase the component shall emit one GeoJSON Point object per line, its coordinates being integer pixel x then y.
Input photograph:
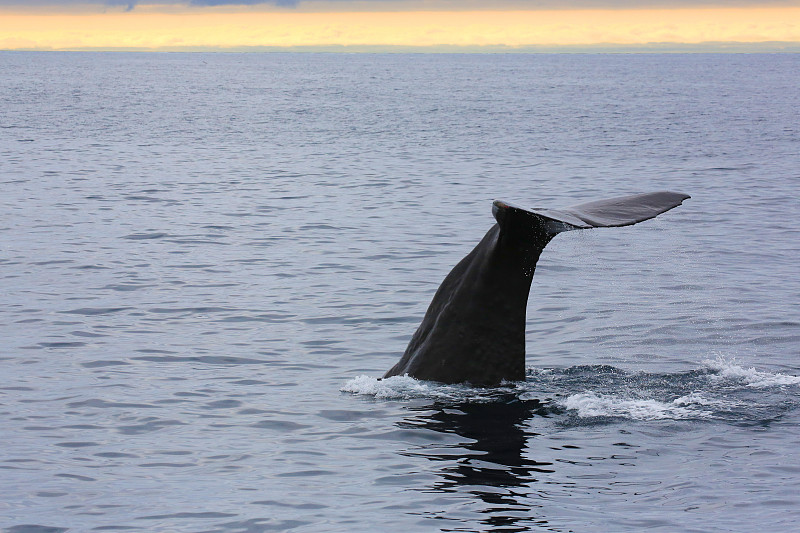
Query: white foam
{"type": "Point", "coordinates": [727, 369]}
{"type": "Point", "coordinates": [399, 388]}
{"type": "Point", "coordinates": [590, 404]}
{"type": "Point", "coordinates": [696, 398]}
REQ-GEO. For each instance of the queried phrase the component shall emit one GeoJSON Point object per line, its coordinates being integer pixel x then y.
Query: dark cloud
{"type": "Point", "coordinates": [415, 4]}
{"type": "Point", "coordinates": [129, 5]}
{"type": "Point", "coordinates": [209, 3]}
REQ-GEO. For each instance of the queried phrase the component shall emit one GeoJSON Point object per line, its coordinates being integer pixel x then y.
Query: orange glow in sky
{"type": "Point", "coordinates": [245, 27]}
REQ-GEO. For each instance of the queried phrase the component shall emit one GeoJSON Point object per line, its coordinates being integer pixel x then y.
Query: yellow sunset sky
{"type": "Point", "coordinates": [68, 26]}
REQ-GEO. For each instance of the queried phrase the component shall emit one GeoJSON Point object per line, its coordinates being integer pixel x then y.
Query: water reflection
{"type": "Point", "coordinates": [491, 463]}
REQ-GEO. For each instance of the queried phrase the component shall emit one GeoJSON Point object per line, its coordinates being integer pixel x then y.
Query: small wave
{"type": "Point", "coordinates": [408, 388]}
{"type": "Point", "coordinates": [696, 398]}
{"type": "Point", "coordinates": [590, 405]}
{"type": "Point", "coordinates": [145, 236]}
{"type": "Point", "coordinates": [393, 388]}
{"type": "Point", "coordinates": [729, 370]}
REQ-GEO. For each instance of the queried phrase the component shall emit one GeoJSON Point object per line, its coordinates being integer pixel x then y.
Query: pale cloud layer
{"type": "Point", "coordinates": [496, 24]}
{"type": "Point", "coordinates": [510, 29]}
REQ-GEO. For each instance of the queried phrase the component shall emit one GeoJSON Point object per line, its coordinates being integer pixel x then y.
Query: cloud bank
{"type": "Point", "coordinates": [197, 28]}
{"type": "Point", "coordinates": [374, 25]}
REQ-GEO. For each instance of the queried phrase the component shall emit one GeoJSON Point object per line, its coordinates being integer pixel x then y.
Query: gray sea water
{"type": "Point", "coordinates": [207, 260]}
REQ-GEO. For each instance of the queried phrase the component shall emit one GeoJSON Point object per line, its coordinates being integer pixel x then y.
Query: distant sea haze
{"type": "Point", "coordinates": [208, 260]}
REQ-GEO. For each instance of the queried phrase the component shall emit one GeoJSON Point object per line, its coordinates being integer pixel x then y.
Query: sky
{"type": "Point", "coordinates": [435, 25]}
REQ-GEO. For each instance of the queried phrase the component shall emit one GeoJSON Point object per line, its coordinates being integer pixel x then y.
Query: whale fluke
{"type": "Point", "coordinates": [474, 329]}
{"type": "Point", "coordinates": [615, 212]}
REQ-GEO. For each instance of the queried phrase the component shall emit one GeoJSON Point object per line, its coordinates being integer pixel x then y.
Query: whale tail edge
{"type": "Point", "coordinates": [608, 213]}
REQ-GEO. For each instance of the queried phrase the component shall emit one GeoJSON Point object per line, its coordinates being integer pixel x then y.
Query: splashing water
{"type": "Point", "coordinates": [719, 390]}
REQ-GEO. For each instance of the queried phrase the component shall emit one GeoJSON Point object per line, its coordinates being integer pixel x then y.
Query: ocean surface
{"type": "Point", "coordinates": [208, 260]}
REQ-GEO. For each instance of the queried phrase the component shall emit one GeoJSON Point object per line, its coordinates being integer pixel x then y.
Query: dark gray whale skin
{"type": "Point", "coordinates": [474, 329]}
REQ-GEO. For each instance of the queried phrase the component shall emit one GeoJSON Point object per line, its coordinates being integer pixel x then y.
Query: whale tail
{"type": "Point", "coordinates": [612, 212]}
{"type": "Point", "coordinates": [474, 328]}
